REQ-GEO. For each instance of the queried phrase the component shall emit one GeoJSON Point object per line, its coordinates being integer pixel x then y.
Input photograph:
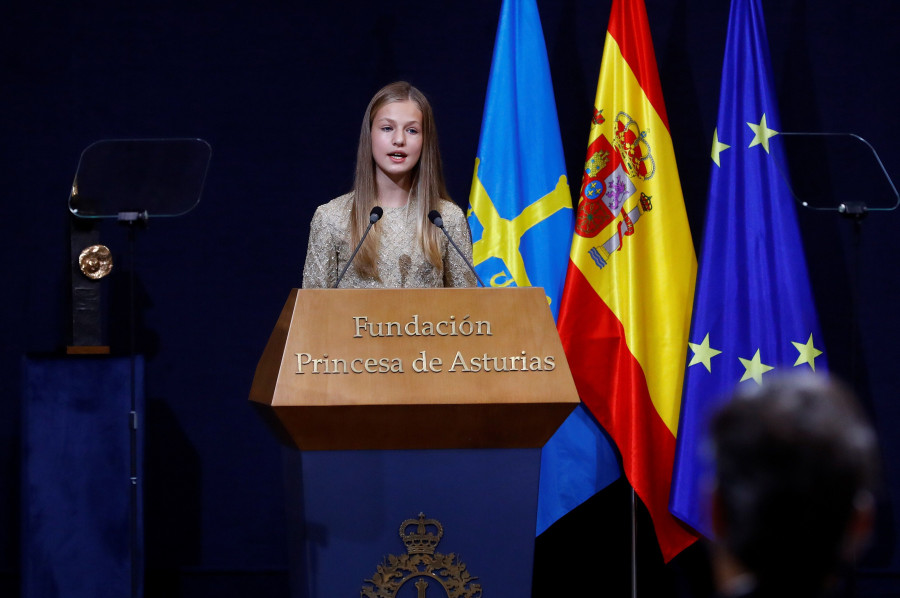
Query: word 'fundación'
{"type": "Point", "coordinates": [414, 327]}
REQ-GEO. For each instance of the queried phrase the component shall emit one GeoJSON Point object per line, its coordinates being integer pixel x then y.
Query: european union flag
{"type": "Point", "coordinates": [522, 223]}
{"type": "Point", "coordinates": [754, 310]}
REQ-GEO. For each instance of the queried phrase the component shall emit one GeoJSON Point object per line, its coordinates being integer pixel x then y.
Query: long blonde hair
{"type": "Point", "coordinates": [427, 181]}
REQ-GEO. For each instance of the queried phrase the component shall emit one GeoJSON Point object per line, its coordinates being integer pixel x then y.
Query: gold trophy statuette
{"type": "Point", "coordinates": [95, 261]}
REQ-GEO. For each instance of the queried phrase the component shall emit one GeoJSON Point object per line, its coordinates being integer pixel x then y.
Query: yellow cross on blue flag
{"type": "Point", "coordinates": [522, 224]}
{"type": "Point", "coordinates": [754, 310]}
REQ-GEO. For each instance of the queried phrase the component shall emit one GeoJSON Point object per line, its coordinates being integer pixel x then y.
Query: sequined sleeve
{"type": "Point", "coordinates": [320, 268]}
{"type": "Point", "coordinates": [456, 271]}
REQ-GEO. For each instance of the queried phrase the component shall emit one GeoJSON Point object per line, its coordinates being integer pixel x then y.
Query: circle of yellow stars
{"type": "Point", "coordinates": [754, 368]}
{"type": "Point", "coordinates": [761, 135]}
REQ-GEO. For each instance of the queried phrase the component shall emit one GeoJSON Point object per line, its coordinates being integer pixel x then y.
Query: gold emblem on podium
{"type": "Point", "coordinates": [430, 573]}
{"type": "Point", "coordinates": [95, 261]}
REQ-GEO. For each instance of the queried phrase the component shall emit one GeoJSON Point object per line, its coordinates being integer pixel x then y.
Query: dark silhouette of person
{"type": "Point", "coordinates": [796, 466]}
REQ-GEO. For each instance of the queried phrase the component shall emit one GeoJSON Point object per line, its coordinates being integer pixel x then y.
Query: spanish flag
{"type": "Point", "coordinates": [626, 308]}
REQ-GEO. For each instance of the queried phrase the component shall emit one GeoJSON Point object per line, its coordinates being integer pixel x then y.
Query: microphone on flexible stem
{"type": "Point", "coordinates": [436, 220]}
{"type": "Point", "coordinates": [374, 216]}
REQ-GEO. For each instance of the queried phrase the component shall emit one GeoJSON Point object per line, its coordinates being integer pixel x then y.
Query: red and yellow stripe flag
{"type": "Point", "coordinates": [626, 309]}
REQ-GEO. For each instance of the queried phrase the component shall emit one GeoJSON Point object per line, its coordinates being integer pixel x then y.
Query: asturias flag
{"type": "Point", "coordinates": [754, 310]}
{"type": "Point", "coordinates": [626, 308]}
{"type": "Point", "coordinates": [522, 220]}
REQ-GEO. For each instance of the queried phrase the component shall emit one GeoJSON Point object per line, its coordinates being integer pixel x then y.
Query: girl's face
{"type": "Point", "coordinates": [397, 139]}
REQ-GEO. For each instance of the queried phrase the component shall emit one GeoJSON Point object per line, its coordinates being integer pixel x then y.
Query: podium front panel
{"type": "Point", "coordinates": [415, 368]}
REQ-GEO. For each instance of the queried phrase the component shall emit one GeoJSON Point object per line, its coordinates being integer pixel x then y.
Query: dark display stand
{"type": "Point", "coordinates": [76, 474]}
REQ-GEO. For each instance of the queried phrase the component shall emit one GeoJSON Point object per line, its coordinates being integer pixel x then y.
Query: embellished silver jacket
{"type": "Point", "coordinates": [401, 261]}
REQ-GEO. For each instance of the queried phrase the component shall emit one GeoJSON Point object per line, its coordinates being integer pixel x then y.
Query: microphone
{"type": "Point", "coordinates": [436, 220]}
{"type": "Point", "coordinates": [374, 216]}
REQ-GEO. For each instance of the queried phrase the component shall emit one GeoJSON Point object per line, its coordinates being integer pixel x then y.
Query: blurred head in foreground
{"type": "Point", "coordinates": [796, 463]}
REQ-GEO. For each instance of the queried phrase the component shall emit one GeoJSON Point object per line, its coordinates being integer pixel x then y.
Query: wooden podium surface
{"type": "Point", "coordinates": [350, 369]}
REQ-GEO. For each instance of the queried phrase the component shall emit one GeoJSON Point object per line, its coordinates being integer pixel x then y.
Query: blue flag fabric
{"type": "Point", "coordinates": [753, 311]}
{"type": "Point", "coordinates": [522, 224]}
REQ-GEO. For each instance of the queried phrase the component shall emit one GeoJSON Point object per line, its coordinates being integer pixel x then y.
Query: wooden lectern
{"type": "Point", "coordinates": [413, 400]}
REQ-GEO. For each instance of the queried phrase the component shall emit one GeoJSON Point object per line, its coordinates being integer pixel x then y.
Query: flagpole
{"type": "Point", "coordinates": [855, 302]}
